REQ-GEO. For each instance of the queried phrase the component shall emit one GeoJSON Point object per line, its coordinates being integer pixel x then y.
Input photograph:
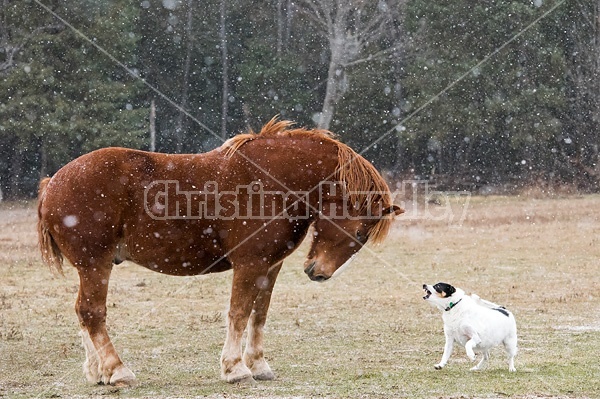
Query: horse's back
{"type": "Point", "coordinates": [91, 180]}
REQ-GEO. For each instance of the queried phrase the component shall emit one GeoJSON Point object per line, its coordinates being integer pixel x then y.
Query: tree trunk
{"type": "Point", "coordinates": [280, 27]}
{"type": "Point", "coordinates": [583, 68]}
{"type": "Point", "coordinates": [285, 13]}
{"type": "Point", "coordinates": [43, 159]}
{"type": "Point", "coordinates": [152, 126]}
{"type": "Point", "coordinates": [16, 174]}
{"type": "Point", "coordinates": [596, 67]}
{"type": "Point", "coordinates": [335, 76]}
{"type": "Point", "coordinates": [186, 79]}
{"type": "Point", "coordinates": [331, 95]}
{"type": "Point", "coordinates": [225, 74]}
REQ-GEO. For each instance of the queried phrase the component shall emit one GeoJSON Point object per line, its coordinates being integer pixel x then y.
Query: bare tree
{"type": "Point", "coordinates": [285, 14]}
{"type": "Point", "coordinates": [225, 69]}
{"type": "Point", "coordinates": [583, 69]}
{"type": "Point", "coordinates": [350, 27]}
{"type": "Point", "coordinates": [280, 26]}
{"type": "Point", "coordinates": [152, 125]}
{"type": "Point", "coordinates": [14, 39]}
{"type": "Point", "coordinates": [186, 78]}
{"type": "Point", "coordinates": [8, 48]}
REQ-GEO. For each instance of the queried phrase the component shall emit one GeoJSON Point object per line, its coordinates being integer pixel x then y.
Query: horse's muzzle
{"type": "Point", "coordinates": [310, 272]}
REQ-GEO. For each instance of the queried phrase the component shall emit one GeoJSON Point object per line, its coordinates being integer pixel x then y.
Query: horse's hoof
{"type": "Point", "coordinates": [259, 367]}
{"type": "Point", "coordinates": [247, 380]}
{"type": "Point", "coordinates": [122, 377]}
{"type": "Point", "coordinates": [238, 373]}
{"type": "Point", "coordinates": [92, 375]}
{"type": "Point", "coordinates": [265, 376]}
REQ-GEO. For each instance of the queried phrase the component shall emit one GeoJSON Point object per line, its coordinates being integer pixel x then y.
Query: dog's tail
{"type": "Point", "coordinates": [51, 254]}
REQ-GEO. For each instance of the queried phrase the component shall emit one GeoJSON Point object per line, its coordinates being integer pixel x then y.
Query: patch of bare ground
{"type": "Point", "coordinates": [366, 334]}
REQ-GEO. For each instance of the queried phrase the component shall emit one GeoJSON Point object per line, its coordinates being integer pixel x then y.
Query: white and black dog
{"type": "Point", "coordinates": [477, 324]}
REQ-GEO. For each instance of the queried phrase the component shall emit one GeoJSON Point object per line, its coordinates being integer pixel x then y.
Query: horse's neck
{"type": "Point", "coordinates": [305, 159]}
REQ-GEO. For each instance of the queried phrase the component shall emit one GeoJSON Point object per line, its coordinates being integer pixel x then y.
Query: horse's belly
{"type": "Point", "coordinates": [183, 267]}
{"type": "Point", "coordinates": [177, 256]}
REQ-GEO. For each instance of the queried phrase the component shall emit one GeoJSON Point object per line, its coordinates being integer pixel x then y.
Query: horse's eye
{"type": "Point", "coordinates": [360, 236]}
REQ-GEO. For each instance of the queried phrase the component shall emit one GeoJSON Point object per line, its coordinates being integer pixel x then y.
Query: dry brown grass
{"type": "Point", "coordinates": [367, 334]}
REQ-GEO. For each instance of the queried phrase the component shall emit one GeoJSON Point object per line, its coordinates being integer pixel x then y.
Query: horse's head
{"type": "Point", "coordinates": [353, 204]}
{"type": "Point", "coordinates": [336, 240]}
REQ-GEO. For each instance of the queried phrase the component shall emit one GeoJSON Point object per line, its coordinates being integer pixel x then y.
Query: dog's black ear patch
{"type": "Point", "coordinates": [445, 289]}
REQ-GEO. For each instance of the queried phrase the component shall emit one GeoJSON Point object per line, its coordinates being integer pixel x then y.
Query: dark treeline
{"type": "Point", "coordinates": [469, 94]}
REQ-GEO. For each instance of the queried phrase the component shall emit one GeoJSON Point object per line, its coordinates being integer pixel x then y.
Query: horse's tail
{"type": "Point", "coordinates": [51, 254]}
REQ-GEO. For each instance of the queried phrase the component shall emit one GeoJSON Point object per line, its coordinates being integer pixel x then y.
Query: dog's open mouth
{"type": "Point", "coordinates": [427, 292]}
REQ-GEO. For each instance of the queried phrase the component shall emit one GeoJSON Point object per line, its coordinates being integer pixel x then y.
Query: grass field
{"type": "Point", "coordinates": [366, 334]}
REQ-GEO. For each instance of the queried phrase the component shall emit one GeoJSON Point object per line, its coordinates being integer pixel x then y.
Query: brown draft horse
{"type": "Point", "coordinates": [244, 206]}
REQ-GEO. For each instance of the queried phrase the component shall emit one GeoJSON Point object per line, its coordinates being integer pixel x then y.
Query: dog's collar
{"type": "Point", "coordinates": [452, 304]}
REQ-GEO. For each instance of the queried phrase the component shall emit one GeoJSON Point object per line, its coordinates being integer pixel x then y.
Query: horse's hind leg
{"type": "Point", "coordinates": [102, 364]}
{"type": "Point", "coordinates": [254, 354]}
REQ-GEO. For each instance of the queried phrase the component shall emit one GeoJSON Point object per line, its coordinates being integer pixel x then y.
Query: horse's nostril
{"type": "Point", "coordinates": [310, 271]}
{"type": "Point", "coordinates": [310, 268]}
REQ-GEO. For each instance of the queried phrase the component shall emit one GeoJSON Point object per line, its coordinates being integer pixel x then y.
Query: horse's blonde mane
{"type": "Point", "coordinates": [273, 129]}
{"type": "Point", "coordinates": [366, 187]}
{"type": "Point", "coordinates": [364, 183]}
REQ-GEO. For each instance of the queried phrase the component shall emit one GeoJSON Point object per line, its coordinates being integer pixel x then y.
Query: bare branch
{"type": "Point", "coordinates": [10, 55]}
{"type": "Point", "coordinates": [371, 57]}
{"type": "Point", "coordinates": [375, 28]}
{"type": "Point", "coordinates": [319, 13]}
{"type": "Point", "coordinates": [11, 50]}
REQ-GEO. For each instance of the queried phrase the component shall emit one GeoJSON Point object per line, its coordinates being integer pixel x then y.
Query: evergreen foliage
{"type": "Point", "coordinates": [416, 98]}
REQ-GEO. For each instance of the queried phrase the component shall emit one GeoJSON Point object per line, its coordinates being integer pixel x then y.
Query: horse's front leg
{"type": "Point", "coordinates": [102, 364]}
{"type": "Point", "coordinates": [243, 293]}
{"type": "Point", "coordinates": [254, 354]}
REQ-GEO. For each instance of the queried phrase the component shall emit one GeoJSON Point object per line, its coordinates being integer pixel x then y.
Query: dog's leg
{"type": "Point", "coordinates": [483, 362]}
{"type": "Point", "coordinates": [448, 347]}
{"type": "Point", "coordinates": [511, 364]}
{"type": "Point", "coordinates": [472, 343]}
{"type": "Point", "coordinates": [510, 345]}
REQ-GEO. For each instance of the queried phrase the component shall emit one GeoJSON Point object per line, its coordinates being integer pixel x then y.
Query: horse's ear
{"type": "Point", "coordinates": [395, 209]}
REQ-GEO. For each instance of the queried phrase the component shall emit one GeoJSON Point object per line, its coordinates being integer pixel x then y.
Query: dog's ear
{"type": "Point", "coordinates": [444, 290]}
{"type": "Point", "coordinates": [451, 290]}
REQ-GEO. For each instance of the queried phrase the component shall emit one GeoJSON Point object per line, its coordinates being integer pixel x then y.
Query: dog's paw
{"type": "Point", "coordinates": [475, 368]}
{"type": "Point", "coordinates": [512, 369]}
{"type": "Point", "coordinates": [438, 366]}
